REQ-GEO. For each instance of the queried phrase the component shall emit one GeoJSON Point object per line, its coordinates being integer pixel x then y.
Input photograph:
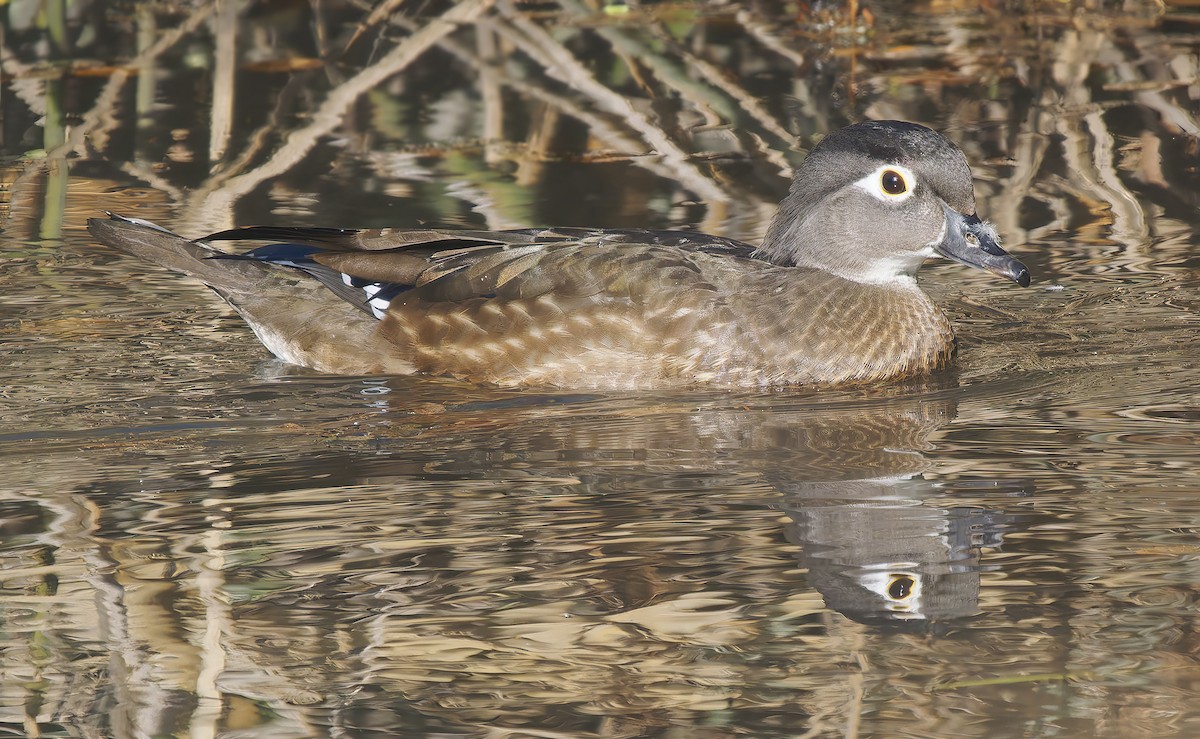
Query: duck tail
{"type": "Point", "coordinates": [153, 243]}
{"type": "Point", "coordinates": [295, 316]}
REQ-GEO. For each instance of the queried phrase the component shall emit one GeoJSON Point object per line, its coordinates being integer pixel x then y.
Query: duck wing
{"type": "Point", "coordinates": [371, 268]}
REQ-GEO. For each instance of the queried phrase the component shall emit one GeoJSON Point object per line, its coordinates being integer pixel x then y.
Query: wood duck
{"type": "Point", "coordinates": [829, 297]}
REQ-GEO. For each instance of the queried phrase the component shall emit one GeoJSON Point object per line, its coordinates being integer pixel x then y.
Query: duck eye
{"type": "Point", "coordinates": [900, 587]}
{"type": "Point", "coordinates": [893, 182]}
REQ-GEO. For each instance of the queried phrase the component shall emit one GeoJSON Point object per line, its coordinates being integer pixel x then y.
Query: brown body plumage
{"type": "Point", "coordinates": [648, 316]}
{"type": "Point", "coordinates": [829, 298]}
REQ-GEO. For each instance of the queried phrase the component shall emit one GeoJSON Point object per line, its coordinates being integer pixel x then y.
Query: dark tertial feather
{"type": "Point", "coordinates": [269, 233]}
{"type": "Point", "coordinates": [436, 241]}
{"type": "Point", "coordinates": [348, 239]}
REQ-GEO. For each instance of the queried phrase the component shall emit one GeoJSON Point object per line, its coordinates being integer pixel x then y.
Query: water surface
{"type": "Point", "coordinates": [199, 540]}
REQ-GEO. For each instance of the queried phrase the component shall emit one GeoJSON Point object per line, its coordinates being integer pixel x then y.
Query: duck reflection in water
{"type": "Point", "coordinates": [885, 553]}
{"type": "Point", "coordinates": [890, 534]}
{"type": "Point", "coordinates": [882, 544]}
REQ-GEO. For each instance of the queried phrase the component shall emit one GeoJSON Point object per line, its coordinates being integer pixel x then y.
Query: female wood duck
{"type": "Point", "coordinates": [829, 297]}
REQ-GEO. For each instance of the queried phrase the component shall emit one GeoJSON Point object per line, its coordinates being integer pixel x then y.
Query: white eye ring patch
{"type": "Point", "coordinates": [874, 183]}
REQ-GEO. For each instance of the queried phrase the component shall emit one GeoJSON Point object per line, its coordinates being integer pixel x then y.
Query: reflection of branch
{"type": "Point", "coordinates": [101, 112]}
{"type": "Point", "coordinates": [210, 587]}
{"type": "Point", "coordinates": [749, 105]}
{"type": "Point", "coordinates": [669, 68]}
{"type": "Point", "coordinates": [676, 69]}
{"type": "Point", "coordinates": [764, 35]}
{"type": "Point", "coordinates": [1173, 116]}
{"type": "Point", "coordinates": [598, 126]}
{"type": "Point", "coordinates": [219, 205]}
{"type": "Point", "coordinates": [255, 143]}
{"type": "Point", "coordinates": [551, 55]}
{"type": "Point", "coordinates": [377, 16]}
{"type": "Point", "coordinates": [150, 177]}
{"type": "Point", "coordinates": [1129, 221]}
{"type": "Point", "coordinates": [1092, 166]}
{"type": "Point", "coordinates": [1028, 154]}
{"type": "Point", "coordinates": [29, 88]}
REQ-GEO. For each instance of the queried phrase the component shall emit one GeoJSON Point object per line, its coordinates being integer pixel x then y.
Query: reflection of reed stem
{"type": "Point", "coordinates": [54, 133]}
{"type": "Point", "coordinates": [147, 29]}
{"type": "Point", "coordinates": [489, 89]}
{"type": "Point", "coordinates": [56, 26]}
{"type": "Point", "coordinates": [223, 79]}
{"type": "Point", "coordinates": [55, 200]}
{"type": "Point", "coordinates": [538, 143]}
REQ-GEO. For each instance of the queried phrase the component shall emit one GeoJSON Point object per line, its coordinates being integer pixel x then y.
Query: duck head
{"type": "Point", "coordinates": [874, 200]}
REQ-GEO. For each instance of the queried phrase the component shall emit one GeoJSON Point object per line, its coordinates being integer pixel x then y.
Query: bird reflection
{"type": "Point", "coordinates": [882, 544]}
{"type": "Point", "coordinates": [888, 536]}
{"type": "Point", "coordinates": [890, 552]}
